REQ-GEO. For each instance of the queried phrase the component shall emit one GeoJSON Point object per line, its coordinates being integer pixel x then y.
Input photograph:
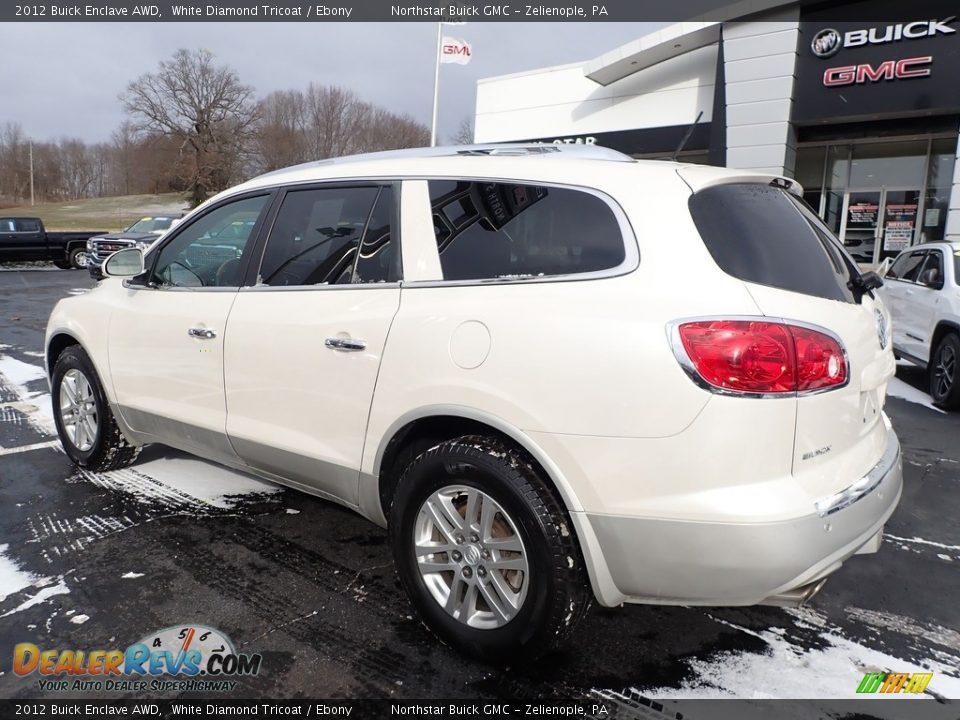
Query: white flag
{"type": "Point", "coordinates": [456, 51]}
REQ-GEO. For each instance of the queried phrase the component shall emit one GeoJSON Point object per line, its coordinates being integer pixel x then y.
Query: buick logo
{"type": "Point", "coordinates": [882, 330]}
{"type": "Point", "coordinates": [826, 43]}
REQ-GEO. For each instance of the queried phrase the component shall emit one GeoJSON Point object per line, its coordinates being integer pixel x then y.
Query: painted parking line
{"type": "Point", "coordinates": [28, 448]}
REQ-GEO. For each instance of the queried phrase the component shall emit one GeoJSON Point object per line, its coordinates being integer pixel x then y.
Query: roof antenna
{"type": "Point", "coordinates": [686, 137]}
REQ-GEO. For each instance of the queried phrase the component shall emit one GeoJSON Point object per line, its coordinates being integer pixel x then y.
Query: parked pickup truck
{"type": "Point", "coordinates": [25, 238]}
{"type": "Point", "coordinates": [142, 234]}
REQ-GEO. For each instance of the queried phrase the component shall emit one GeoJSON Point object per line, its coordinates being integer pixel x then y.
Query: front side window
{"type": "Point", "coordinates": [488, 230]}
{"type": "Point", "coordinates": [332, 236]}
{"type": "Point", "coordinates": [933, 263]}
{"type": "Point", "coordinates": [209, 251]}
{"type": "Point", "coordinates": [907, 266]}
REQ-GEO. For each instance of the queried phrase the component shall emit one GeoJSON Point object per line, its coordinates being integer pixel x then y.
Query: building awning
{"type": "Point", "coordinates": [672, 41]}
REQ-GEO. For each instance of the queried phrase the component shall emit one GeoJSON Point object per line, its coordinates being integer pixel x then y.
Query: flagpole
{"type": "Point", "coordinates": [436, 86]}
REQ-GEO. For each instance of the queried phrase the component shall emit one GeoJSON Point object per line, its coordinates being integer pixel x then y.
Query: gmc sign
{"type": "Point", "coordinates": [904, 69]}
{"type": "Point", "coordinates": [876, 60]}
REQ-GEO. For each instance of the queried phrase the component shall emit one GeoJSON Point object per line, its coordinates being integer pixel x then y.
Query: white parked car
{"type": "Point", "coordinates": [922, 290]}
{"type": "Point", "coordinates": [556, 374]}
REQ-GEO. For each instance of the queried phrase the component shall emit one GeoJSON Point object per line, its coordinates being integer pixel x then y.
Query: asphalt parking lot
{"type": "Point", "coordinates": [98, 561]}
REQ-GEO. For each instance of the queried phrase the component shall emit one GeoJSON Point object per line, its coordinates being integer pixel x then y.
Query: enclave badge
{"type": "Point", "coordinates": [882, 335]}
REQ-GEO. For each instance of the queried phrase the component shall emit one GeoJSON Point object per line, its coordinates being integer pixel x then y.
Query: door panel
{"type": "Point", "coordinates": [166, 341]}
{"type": "Point", "coordinates": [318, 320]}
{"type": "Point", "coordinates": [21, 239]}
{"type": "Point", "coordinates": [168, 383]}
{"type": "Point", "coordinates": [296, 407]}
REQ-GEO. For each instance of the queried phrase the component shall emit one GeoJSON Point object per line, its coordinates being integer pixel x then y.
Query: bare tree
{"type": "Point", "coordinates": [202, 105]}
{"type": "Point", "coordinates": [464, 134]}
{"type": "Point", "coordinates": [281, 132]}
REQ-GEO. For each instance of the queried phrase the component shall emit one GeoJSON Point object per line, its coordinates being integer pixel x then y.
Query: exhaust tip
{"type": "Point", "coordinates": [797, 597]}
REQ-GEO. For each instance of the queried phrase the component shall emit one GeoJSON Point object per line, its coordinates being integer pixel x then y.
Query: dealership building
{"type": "Point", "coordinates": [864, 114]}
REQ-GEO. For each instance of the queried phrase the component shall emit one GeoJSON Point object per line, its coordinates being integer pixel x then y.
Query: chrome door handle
{"type": "Point", "coordinates": [202, 333]}
{"type": "Point", "coordinates": [345, 344]}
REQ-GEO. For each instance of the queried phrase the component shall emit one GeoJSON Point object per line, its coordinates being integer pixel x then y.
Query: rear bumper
{"type": "Point", "coordinates": [666, 561]}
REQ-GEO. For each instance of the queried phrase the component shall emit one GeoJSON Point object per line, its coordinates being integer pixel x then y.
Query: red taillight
{"type": "Point", "coordinates": [756, 356]}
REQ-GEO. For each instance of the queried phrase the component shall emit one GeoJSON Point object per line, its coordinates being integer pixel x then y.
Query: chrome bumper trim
{"type": "Point", "coordinates": [864, 486]}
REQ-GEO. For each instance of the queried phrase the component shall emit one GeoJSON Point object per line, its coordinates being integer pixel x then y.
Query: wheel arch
{"type": "Point", "coordinates": [943, 328]}
{"type": "Point", "coordinates": [58, 342]}
{"type": "Point", "coordinates": [431, 425]}
{"type": "Point", "coordinates": [434, 424]}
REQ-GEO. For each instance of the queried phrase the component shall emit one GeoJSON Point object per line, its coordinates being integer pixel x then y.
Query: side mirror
{"type": "Point", "coordinates": [870, 281]}
{"type": "Point", "coordinates": [124, 263]}
{"type": "Point", "coordinates": [884, 267]}
{"type": "Point", "coordinates": [931, 278]}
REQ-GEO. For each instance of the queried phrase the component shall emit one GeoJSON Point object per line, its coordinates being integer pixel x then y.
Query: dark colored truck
{"type": "Point", "coordinates": [25, 238]}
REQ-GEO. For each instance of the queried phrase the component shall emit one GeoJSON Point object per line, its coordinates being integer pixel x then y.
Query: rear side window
{"type": "Point", "coordinates": [28, 226]}
{"type": "Point", "coordinates": [762, 234]}
{"type": "Point", "coordinates": [487, 230]}
{"type": "Point", "coordinates": [332, 236]}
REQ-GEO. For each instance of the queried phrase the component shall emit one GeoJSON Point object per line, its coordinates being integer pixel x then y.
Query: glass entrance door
{"type": "Point", "coordinates": [879, 222]}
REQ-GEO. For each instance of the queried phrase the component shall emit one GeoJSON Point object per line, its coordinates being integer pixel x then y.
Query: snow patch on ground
{"type": "Point", "coordinates": [202, 481]}
{"type": "Point", "coordinates": [12, 578]}
{"type": "Point", "coordinates": [899, 389]}
{"type": "Point", "coordinates": [79, 619]}
{"type": "Point", "coordinates": [18, 372]}
{"type": "Point", "coordinates": [44, 593]}
{"type": "Point", "coordinates": [131, 575]}
{"type": "Point", "coordinates": [788, 670]}
{"type": "Point", "coordinates": [920, 541]}
{"type": "Point", "coordinates": [36, 405]}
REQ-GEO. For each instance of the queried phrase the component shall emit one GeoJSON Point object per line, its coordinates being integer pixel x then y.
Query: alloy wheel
{"type": "Point", "coordinates": [78, 410]}
{"type": "Point", "coordinates": [944, 370]}
{"type": "Point", "coordinates": [471, 556]}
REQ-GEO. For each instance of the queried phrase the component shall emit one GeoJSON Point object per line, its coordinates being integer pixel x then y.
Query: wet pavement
{"type": "Point", "coordinates": [98, 561]}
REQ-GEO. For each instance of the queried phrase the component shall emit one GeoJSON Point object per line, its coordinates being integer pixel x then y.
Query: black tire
{"type": "Point", "coordinates": [78, 258]}
{"type": "Point", "coordinates": [558, 593]}
{"type": "Point", "coordinates": [945, 373]}
{"type": "Point", "coordinates": [109, 449]}
{"type": "Point", "coordinates": [62, 264]}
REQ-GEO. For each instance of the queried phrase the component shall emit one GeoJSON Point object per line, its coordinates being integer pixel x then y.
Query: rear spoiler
{"type": "Point", "coordinates": [699, 177]}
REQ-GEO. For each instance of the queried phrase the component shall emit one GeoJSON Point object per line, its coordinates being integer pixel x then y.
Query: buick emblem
{"type": "Point", "coordinates": [882, 330]}
{"type": "Point", "coordinates": [826, 43]}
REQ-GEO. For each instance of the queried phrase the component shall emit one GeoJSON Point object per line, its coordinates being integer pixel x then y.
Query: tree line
{"type": "Point", "coordinates": [192, 126]}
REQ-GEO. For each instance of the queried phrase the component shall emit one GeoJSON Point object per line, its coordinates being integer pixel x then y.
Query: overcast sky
{"type": "Point", "coordinates": [62, 79]}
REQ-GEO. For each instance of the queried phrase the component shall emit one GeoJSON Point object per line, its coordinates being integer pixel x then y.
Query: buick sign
{"type": "Point", "coordinates": [826, 43]}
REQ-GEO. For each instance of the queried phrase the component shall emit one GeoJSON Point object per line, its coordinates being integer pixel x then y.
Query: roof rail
{"type": "Point", "coordinates": [595, 152]}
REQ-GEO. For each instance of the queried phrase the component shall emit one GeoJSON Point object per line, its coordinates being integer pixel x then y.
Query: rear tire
{"type": "Point", "coordinates": [85, 423]}
{"type": "Point", "coordinates": [78, 258]}
{"type": "Point", "coordinates": [507, 581]}
{"type": "Point", "coordinates": [945, 373]}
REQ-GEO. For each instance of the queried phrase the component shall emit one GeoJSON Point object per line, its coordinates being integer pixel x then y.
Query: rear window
{"type": "Point", "coordinates": [763, 234]}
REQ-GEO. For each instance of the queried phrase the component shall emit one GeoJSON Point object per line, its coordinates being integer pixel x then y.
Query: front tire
{"type": "Point", "coordinates": [484, 549]}
{"type": "Point", "coordinates": [944, 371]}
{"type": "Point", "coordinates": [78, 258]}
{"type": "Point", "coordinates": [85, 423]}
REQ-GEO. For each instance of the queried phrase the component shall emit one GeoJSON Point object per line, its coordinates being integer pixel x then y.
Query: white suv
{"type": "Point", "coordinates": [556, 374]}
{"type": "Point", "coordinates": [923, 293]}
